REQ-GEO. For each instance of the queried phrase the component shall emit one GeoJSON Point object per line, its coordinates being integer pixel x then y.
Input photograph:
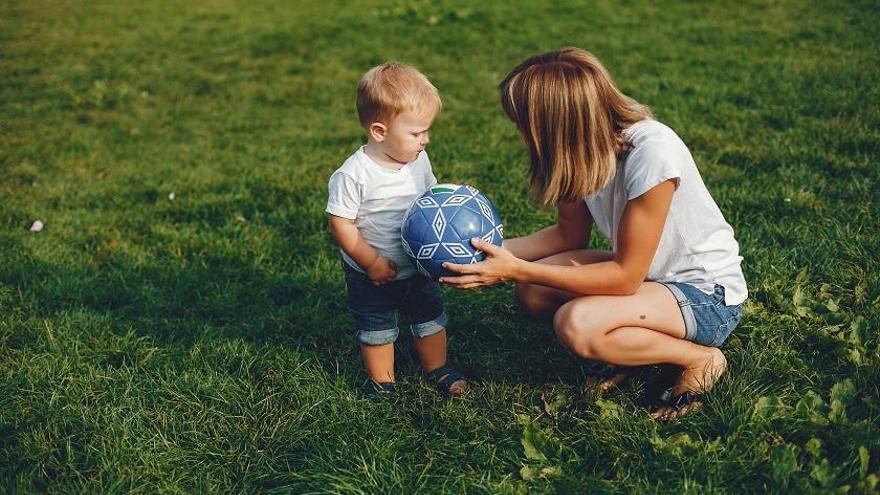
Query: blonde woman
{"type": "Point", "coordinates": [671, 289]}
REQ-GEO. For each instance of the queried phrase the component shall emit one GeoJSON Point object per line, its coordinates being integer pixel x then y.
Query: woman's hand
{"type": "Point", "coordinates": [500, 265]}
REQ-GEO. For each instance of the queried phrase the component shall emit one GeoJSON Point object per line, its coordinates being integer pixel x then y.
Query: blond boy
{"type": "Point", "coordinates": [368, 197]}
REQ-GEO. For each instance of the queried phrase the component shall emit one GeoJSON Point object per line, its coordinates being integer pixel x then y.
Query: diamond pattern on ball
{"type": "Point", "coordinates": [456, 200]}
{"type": "Point", "coordinates": [427, 251]}
{"type": "Point", "coordinates": [406, 248]}
{"type": "Point", "coordinates": [456, 249]}
{"type": "Point", "coordinates": [487, 210]}
{"type": "Point", "coordinates": [427, 202]}
{"type": "Point", "coordinates": [448, 216]}
{"type": "Point", "coordinates": [439, 224]}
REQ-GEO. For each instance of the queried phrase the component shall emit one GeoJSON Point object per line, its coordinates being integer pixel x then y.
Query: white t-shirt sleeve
{"type": "Point", "coordinates": [345, 196]}
{"type": "Point", "coordinates": [649, 165]}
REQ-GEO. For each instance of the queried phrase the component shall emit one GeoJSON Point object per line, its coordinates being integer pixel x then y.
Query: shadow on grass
{"type": "Point", "coordinates": [227, 298]}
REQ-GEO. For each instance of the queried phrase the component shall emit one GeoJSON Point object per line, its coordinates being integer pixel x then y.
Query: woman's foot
{"type": "Point", "coordinates": [652, 376]}
{"type": "Point", "coordinates": [609, 384]}
{"type": "Point", "coordinates": [697, 379]}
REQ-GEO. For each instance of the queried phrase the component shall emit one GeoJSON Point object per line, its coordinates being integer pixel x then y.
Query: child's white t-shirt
{"type": "Point", "coordinates": [697, 245]}
{"type": "Point", "coordinates": [377, 198]}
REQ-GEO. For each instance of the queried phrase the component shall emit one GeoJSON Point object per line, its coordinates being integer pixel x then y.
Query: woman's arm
{"type": "Point", "coordinates": [637, 239]}
{"type": "Point", "coordinates": [572, 231]}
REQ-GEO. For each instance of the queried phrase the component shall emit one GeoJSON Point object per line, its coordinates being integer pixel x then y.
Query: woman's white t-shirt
{"type": "Point", "coordinates": [697, 246]}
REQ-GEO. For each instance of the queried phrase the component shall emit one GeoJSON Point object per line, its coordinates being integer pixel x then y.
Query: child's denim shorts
{"type": "Point", "coordinates": [375, 307]}
{"type": "Point", "coordinates": [707, 320]}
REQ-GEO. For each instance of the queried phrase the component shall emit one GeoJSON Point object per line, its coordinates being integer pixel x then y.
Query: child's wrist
{"type": "Point", "coordinates": [375, 261]}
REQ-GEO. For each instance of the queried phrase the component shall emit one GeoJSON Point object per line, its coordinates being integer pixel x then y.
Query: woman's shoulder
{"type": "Point", "coordinates": [648, 140]}
{"type": "Point", "coordinates": [650, 130]}
{"type": "Point", "coordinates": [655, 154]}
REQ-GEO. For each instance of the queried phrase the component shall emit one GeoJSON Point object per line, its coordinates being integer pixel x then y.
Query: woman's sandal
{"type": "Point", "coordinates": [379, 390]}
{"type": "Point", "coordinates": [613, 377]}
{"type": "Point", "coordinates": [653, 377]}
{"type": "Point", "coordinates": [444, 378]}
{"type": "Point", "coordinates": [678, 405]}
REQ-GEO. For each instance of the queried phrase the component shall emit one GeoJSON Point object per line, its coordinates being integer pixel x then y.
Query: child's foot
{"type": "Point", "coordinates": [687, 394]}
{"type": "Point", "coordinates": [377, 390]}
{"type": "Point", "coordinates": [449, 381]}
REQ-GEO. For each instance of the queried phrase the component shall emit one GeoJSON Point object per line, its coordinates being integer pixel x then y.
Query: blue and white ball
{"type": "Point", "coordinates": [439, 225]}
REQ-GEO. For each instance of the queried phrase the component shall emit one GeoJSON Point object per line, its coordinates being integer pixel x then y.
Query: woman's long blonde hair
{"type": "Point", "coordinates": [571, 116]}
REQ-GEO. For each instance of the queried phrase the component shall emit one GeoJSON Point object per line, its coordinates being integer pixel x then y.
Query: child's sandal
{"type": "Point", "coordinates": [444, 378]}
{"type": "Point", "coordinates": [379, 390]}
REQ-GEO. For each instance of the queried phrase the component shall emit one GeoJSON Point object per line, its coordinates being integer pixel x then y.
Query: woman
{"type": "Point", "coordinates": [671, 289]}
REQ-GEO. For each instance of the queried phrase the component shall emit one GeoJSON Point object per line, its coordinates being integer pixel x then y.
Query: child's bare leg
{"type": "Point", "coordinates": [432, 355]}
{"type": "Point", "coordinates": [379, 361]}
{"type": "Point", "coordinates": [431, 350]}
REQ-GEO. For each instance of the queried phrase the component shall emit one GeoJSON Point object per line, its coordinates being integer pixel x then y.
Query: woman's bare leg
{"type": "Point", "coordinates": [644, 328]}
{"type": "Point", "coordinates": [542, 302]}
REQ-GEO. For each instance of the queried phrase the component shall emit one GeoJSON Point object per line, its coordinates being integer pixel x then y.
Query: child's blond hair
{"type": "Point", "coordinates": [390, 88]}
{"type": "Point", "coordinates": [571, 116]}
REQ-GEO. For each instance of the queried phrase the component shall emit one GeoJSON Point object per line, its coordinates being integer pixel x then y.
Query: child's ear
{"type": "Point", "coordinates": [377, 131]}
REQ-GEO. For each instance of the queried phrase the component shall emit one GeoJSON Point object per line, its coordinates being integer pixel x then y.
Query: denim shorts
{"type": "Point", "coordinates": [375, 307]}
{"type": "Point", "coordinates": [708, 320]}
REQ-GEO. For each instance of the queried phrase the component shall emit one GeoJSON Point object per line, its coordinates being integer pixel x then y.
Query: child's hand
{"type": "Point", "coordinates": [382, 270]}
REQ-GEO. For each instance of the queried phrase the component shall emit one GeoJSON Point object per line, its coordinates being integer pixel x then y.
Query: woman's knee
{"type": "Point", "coordinates": [531, 300]}
{"type": "Point", "coordinates": [575, 329]}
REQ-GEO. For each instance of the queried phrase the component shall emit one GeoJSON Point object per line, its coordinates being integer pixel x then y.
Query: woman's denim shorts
{"type": "Point", "coordinates": [375, 308]}
{"type": "Point", "coordinates": [707, 320]}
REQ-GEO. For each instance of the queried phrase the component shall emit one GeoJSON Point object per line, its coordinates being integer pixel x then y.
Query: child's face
{"type": "Point", "coordinates": [407, 135]}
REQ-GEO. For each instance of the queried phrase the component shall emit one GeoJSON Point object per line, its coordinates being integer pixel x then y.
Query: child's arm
{"type": "Point", "coordinates": [378, 268]}
{"type": "Point", "coordinates": [572, 231]}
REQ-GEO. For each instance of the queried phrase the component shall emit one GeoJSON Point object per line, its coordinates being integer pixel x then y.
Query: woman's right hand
{"type": "Point", "coordinates": [499, 266]}
{"type": "Point", "coordinates": [382, 270]}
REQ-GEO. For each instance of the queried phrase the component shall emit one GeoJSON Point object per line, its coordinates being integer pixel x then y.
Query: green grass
{"type": "Point", "coordinates": [201, 343]}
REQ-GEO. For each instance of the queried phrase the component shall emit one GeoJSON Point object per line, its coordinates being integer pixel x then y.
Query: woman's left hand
{"type": "Point", "coordinates": [499, 266]}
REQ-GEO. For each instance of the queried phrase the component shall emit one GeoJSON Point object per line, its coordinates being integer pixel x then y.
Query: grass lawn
{"type": "Point", "coordinates": [180, 326]}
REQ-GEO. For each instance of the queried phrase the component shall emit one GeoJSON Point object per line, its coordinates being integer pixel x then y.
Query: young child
{"type": "Point", "coordinates": [369, 195]}
{"type": "Point", "coordinates": [671, 289]}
